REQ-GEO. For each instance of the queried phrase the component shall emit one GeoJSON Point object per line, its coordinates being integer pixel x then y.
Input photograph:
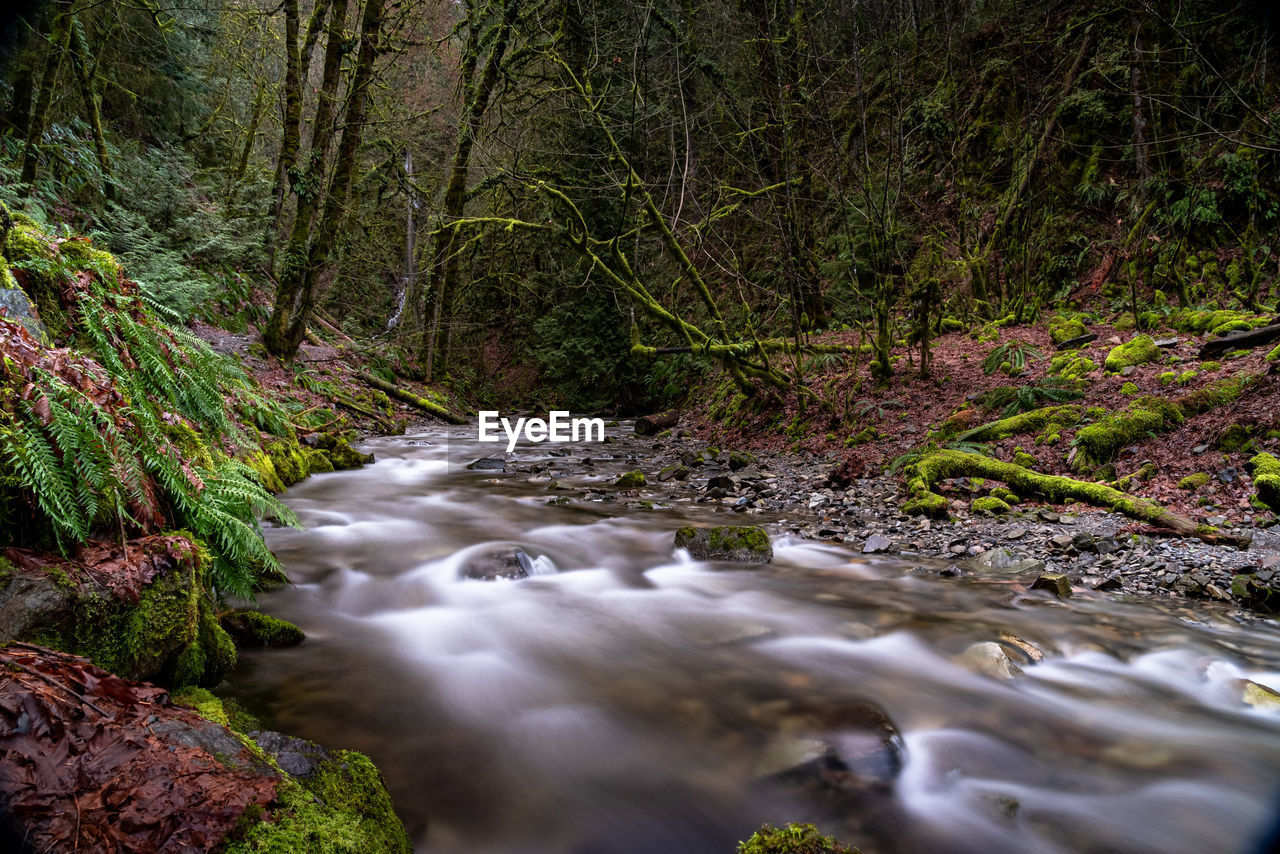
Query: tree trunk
{"type": "Point", "coordinates": [1141, 155]}
{"type": "Point", "coordinates": [444, 261]}
{"type": "Point", "coordinates": [80, 61]}
{"type": "Point", "coordinates": [287, 328]}
{"type": "Point", "coordinates": [59, 38]}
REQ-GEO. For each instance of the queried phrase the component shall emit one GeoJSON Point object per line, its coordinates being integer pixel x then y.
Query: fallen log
{"type": "Point", "coordinates": [1246, 340]}
{"type": "Point", "coordinates": [650, 425]}
{"type": "Point", "coordinates": [412, 399]}
{"type": "Point", "coordinates": [925, 473]}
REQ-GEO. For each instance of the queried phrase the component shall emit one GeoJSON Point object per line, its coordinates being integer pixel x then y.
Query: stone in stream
{"type": "Point", "coordinates": [502, 563]}
{"type": "Point", "coordinates": [675, 471]}
{"type": "Point", "coordinates": [630, 480]}
{"type": "Point", "coordinates": [1055, 582]}
{"type": "Point", "coordinates": [990, 659]}
{"type": "Point", "coordinates": [722, 481]}
{"type": "Point", "coordinates": [254, 628]}
{"type": "Point", "coordinates": [732, 543]}
{"type": "Point", "coordinates": [1001, 561]}
{"type": "Point", "coordinates": [488, 464]}
{"type": "Point", "coordinates": [852, 749]}
{"type": "Point", "coordinates": [1260, 696]}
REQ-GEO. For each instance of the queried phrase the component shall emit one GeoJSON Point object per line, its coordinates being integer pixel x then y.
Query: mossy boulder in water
{"type": "Point", "coordinates": [258, 629]}
{"type": "Point", "coordinates": [792, 839]}
{"type": "Point", "coordinates": [1256, 593]}
{"type": "Point", "coordinates": [732, 543]}
{"type": "Point", "coordinates": [630, 480]}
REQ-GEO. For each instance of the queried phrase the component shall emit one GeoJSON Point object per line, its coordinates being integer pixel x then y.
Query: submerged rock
{"type": "Point", "coordinates": [990, 659]}
{"type": "Point", "coordinates": [504, 563]}
{"type": "Point", "coordinates": [254, 628]}
{"type": "Point", "coordinates": [488, 464]}
{"type": "Point", "coordinates": [1002, 561]}
{"type": "Point", "coordinates": [630, 480]}
{"type": "Point", "coordinates": [1055, 582]}
{"type": "Point", "coordinates": [733, 543]}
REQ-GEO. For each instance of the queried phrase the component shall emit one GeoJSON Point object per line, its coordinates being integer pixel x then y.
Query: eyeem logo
{"type": "Point", "coordinates": [558, 428]}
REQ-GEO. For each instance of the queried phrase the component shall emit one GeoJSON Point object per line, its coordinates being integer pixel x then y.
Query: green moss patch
{"type": "Point", "coordinates": [1139, 351]}
{"type": "Point", "coordinates": [258, 629]}
{"type": "Point", "coordinates": [990, 504]}
{"type": "Point", "coordinates": [1199, 480]}
{"type": "Point", "coordinates": [630, 480]}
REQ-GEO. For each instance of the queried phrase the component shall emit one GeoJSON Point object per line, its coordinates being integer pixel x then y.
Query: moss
{"type": "Point", "coordinates": [318, 461]}
{"type": "Point", "coordinates": [259, 629]}
{"type": "Point", "coordinates": [728, 538]}
{"type": "Point", "coordinates": [170, 635]}
{"type": "Point", "coordinates": [1266, 479]}
{"type": "Point", "coordinates": [1138, 351]}
{"type": "Point", "coordinates": [1072, 367]}
{"type": "Point", "coordinates": [205, 703]}
{"type": "Point", "coordinates": [1008, 496]}
{"type": "Point", "coordinates": [1210, 366]}
{"type": "Point", "coordinates": [792, 839]}
{"type": "Point", "coordinates": [1214, 394]}
{"type": "Point", "coordinates": [1230, 326]}
{"type": "Point", "coordinates": [950, 324]}
{"type": "Point", "coordinates": [1026, 422]}
{"type": "Point", "coordinates": [1191, 320]}
{"type": "Point", "coordinates": [989, 504]}
{"type": "Point", "coordinates": [1187, 376]}
{"type": "Point", "coordinates": [1273, 354]}
{"type": "Point", "coordinates": [1194, 481]}
{"type": "Point", "coordinates": [1235, 438]}
{"type": "Point", "coordinates": [1100, 442]}
{"type": "Point", "coordinates": [927, 503]}
{"type": "Point", "coordinates": [344, 457]}
{"type": "Point", "coordinates": [1168, 378]}
{"type": "Point", "coordinates": [1064, 329]}
{"type": "Point", "coordinates": [1125, 322]}
{"type": "Point", "coordinates": [867, 434]}
{"type": "Point", "coordinates": [1128, 389]}
{"type": "Point", "coordinates": [630, 480]}
{"type": "Point", "coordinates": [1022, 458]}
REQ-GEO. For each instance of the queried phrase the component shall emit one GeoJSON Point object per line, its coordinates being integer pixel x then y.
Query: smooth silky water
{"type": "Point", "coordinates": [627, 699]}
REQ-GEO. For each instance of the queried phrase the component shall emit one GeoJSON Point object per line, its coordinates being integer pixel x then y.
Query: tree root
{"type": "Point", "coordinates": [936, 466]}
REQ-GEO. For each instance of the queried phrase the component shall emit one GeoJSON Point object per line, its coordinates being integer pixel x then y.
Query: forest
{"type": "Point", "coordinates": [935, 342]}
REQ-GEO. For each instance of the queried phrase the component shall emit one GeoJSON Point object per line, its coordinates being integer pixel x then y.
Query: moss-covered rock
{"type": "Point", "coordinates": [1168, 378]}
{"type": "Point", "coordinates": [1255, 593]}
{"type": "Point", "coordinates": [1199, 480]}
{"type": "Point", "coordinates": [929, 504]}
{"type": "Point", "coordinates": [1234, 438]}
{"type": "Point", "coordinates": [630, 480]}
{"type": "Point", "coordinates": [1138, 351]}
{"type": "Point", "coordinates": [1065, 328]}
{"type": "Point", "coordinates": [1128, 389]}
{"type": "Point", "coordinates": [1008, 496]}
{"type": "Point", "coordinates": [792, 839]}
{"type": "Point", "coordinates": [1266, 478]}
{"type": "Point", "coordinates": [1100, 442]}
{"type": "Point", "coordinates": [1071, 366]}
{"type": "Point", "coordinates": [734, 543]}
{"type": "Point", "coordinates": [164, 632]}
{"type": "Point", "coordinates": [989, 504]}
{"type": "Point", "coordinates": [255, 628]}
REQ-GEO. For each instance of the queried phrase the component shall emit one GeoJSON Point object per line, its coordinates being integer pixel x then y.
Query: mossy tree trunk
{"type": "Point", "coordinates": [445, 265]}
{"type": "Point", "coordinates": [80, 60]}
{"type": "Point", "coordinates": [296, 289]}
{"type": "Point", "coordinates": [59, 38]}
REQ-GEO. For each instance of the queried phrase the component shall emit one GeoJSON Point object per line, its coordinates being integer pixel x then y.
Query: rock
{"type": "Point", "coordinates": [1003, 562]}
{"type": "Point", "coordinates": [722, 481]}
{"type": "Point", "coordinates": [1128, 371]}
{"type": "Point", "coordinates": [159, 627]}
{"type": "Point", "coordinates": [732, 543]}
{"type": "Point", "coordinates": [739, 460]}
{"type": "Point", "coordinates": [1249, 589]}
{"type": "Point", "coordinates": [295, 756]}
{"type": "Point", "coordinates": [1164, 343]}
{"type": "Point", "coordinates": [1260, 696]}
{"type": "Point", "coordinates": [1111, 582]}
{"type": "Point", "coordinates": [502, 563]}
{"type": "Point", "coordinates": [1061, 541]}
{"type": "Point", "coordinates": [817, 500]}
{"type": "Point", "coordinates": [651, 425]}
{"type": "Point", "coordinates": [876, 543]}
{"type": "Point", "coordinates": [488, 464]}
{"type": "Point", "coordinates": [1083, 541]}
{"type": "Point", "coordinates": [16, 305]}
{"type": "Point", "coordinates": [990, 659]}
{"type": "Point", "coordinates": [254, 628]}
{"type": "Point", "coordinates": [849, 749]}
{"type": "Point", "coordinates": [1055, 582]}
{"type": "Point", "coordinates": [675, 471]}
{"type": "Point", "coordinates": [630, 480]}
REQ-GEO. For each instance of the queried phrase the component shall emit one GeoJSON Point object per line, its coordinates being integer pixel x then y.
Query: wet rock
{"type": "Point", "coordinates": [722, 481]}
{"type": "Point", "coordinates": [503, 563]}
{"type": "Point", "coordinates": [675, 471]}
{"type": "Point", "coordinates": [16, 305]}
{"type": "Point", "coordinates": [876, 543]}
{"type": "Point", "coordinates": [1250, 590]}
{"type": "Point", "coordinates": [295, 756]}
{"type": "Point", "coordinates": [254, 628]}
{"type": "Point", "coordinates": [651, 425]}
{"type": "Point", "coordinates": [1260, 696]}
{"type": "Point", "coordinates": [990, 659]}
{"type": "Point", "coordinates": [739, 460]}
{"type": "Point", "coordinates": [1003, 562]}
{"type": "Point", "coordinates": [1055, 582]}
{"type": "Point", "coordinates": [630, 480]}
{"type": "Point", "coordinates": [733, 543]}
{"type": "Point", "coordinates": [495, 464]}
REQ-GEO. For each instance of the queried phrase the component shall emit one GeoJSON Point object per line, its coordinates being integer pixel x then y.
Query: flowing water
{"type": "Point", "coordinates": [624, 698]}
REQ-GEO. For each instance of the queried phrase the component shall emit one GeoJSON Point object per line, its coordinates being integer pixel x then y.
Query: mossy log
{"type": "Point", "coordinates": [939, 465]}
{"type": "Point", "coordinates": [1239, 341]}
{"type": "Point", "coordinates": [412, 399]}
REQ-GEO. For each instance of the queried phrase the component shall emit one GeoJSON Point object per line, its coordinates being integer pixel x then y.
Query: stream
{"type": "Point", "coordinates": [626, 699]}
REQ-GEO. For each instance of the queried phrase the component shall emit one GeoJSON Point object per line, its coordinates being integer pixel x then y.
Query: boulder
{"type": "Point", "coordinates": [651, 425]}
{"type": "Point", "coordinates": [16, 305]}
{"type": "Point", "coordinates": [254, 628]}
{"type": "Point", "coordinates": [502, 563]}
{"type": "Point", "coordinates": [731, 543]}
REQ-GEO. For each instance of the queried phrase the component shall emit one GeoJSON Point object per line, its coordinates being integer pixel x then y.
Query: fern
{"type": "Point", "coordinates": [1015, 353]}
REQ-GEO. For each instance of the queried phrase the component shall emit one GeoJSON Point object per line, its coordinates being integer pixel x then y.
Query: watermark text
{"type": "Point", "coordinates": [557, 427]}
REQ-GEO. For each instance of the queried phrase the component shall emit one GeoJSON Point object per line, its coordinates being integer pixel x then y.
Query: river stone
{"type": "Point", "coordinates": [1001, 561]}
{"type": "Point", "coordinates": [295, 756]}
{"type": "Point", "coordinates": [876, 543]}
{"type": "Point", "coordinates": [504, 563]}
{"type": "Point", "coordinates": [675, 471]}
{"type": "Point", "coordinates": [17, 307]}
{"type": "Point", "coordinates": [1055, 582]}
{"type": "Point", "coordinates": [733, 543]}
{"type": "Point", "coordinates": [630, 480]}
{"type": "Point", "coordinates": [1261, 697]}
{"type": "Point", "coordinates": [488, 464]}
{"type": "Point", "coordinates": [990, 659]}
